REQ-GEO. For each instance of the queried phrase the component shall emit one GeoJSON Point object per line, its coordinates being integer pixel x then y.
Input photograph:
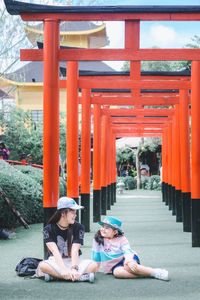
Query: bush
{"type": "Point", "coordinates": [145, 182]}
{"type": "Point", "coordinates": [25, 194]}
{"type": "Point", "coordinates": [129, 181]}
{"type": "Point", "coordinates": [153, 183]}
{"type": "Point", "coordinates": [23, 186]}
{"type": "Point", "coordinates": [37, 175]}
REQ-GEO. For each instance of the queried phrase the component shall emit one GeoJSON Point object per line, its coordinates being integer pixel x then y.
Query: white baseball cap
{"type": "Point", "coordinates": [66, 202]}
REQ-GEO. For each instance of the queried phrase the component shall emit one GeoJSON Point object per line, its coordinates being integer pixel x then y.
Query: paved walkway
{"type": "Point", "coordinates": [152, 231]}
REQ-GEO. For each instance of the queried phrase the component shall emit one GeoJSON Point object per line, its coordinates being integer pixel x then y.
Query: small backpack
{"type": "Point", "coordinates": [27, 266]}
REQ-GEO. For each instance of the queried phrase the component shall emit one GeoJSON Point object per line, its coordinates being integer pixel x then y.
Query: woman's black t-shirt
{"type": "Point", "coordinates": [52, 233]}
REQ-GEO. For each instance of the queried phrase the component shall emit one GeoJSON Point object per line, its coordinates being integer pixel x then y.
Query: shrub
{"type": "Point", "coordinates": [129, 181]}
{"type": "Point", "coordinates": [25, 194]}
{"type": "Point", "coordinates": [23, 186]}
{"type": "Point", "coordinates": [145, 182]}
{"type": "Point", "coordinates": [37, 175]}
{"type": "Point", "coordinates": [153, 183]}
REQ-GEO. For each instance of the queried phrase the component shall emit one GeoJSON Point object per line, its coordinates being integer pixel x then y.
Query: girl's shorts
{"type": "Point", "coordinates": [121, 262]}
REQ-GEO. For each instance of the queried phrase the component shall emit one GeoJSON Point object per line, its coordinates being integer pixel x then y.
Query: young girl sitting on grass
{"type": "Point", "coordinates": [112, 251]}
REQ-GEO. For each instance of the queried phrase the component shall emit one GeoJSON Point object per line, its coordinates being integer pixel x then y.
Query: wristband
{"type": "Point", "coordinates": [74, 267]}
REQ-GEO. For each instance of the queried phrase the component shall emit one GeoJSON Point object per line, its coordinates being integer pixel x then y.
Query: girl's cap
{"type": "Point", "coordinates": [112, 222]}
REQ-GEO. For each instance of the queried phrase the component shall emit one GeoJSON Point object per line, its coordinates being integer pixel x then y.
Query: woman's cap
{"type": "Point", "coordinates": [66, 202]}
{"type": "Point", "coordinates": [112, 222]}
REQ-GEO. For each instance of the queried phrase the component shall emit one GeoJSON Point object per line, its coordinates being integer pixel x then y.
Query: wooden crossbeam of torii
{"type": "Point", "coordinates": [115, 54]}
{"type": "Point", "coordinates": [140, 120]}
{"type": "Point", "coordinates": [135, 131]}
{"type": "Point", "coordinates": [139, 125]}
{"type": "Point", "coordinates": [139, 112]}
{"type": "Point", "coordinates": [137, 134]}
{"type": "Point", "coordinates": [113, 83]}
{"type": "Point", "coordinates": [131, 100]}
{"type": "Point", "coordinates": [147, 127]}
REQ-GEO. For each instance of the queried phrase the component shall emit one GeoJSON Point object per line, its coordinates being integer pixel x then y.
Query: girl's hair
{"type": "Point", "coordinates": [54, 219]}
{"type": "Point", "coordinates": [100, 239]}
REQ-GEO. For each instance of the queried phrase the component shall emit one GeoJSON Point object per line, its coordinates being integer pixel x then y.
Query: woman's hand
{"type": "Point", "coordinates": [74, 275]}
{"type": "Point", "coordinates": [65, 273]}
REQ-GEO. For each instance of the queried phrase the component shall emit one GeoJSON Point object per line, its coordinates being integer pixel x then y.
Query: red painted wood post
{"type": "Point", "coordinates": [178, 167]}
{"type": "Point", "coordinates": [72, 131]}
{"type": "Point", "coordinates": [115, 167]}
{"type": "Point", "coordinates": [132, 29]}
{"type": "Point", "coordinates": [170, 167]}
{"type": "Point", "coordinates": [85, 159]}
{"type": "Point", "coordinates": [104, 163]}
{"type": "Point", "coordinates": [185, 160]}
{"type": "Point", "coordinates": [113, 164]}
{"type": "Point", "coordinates": [195, 148]}
{"type": "Point", "coordinates": [173, 168]}
{"type": "Point", "coordinates": [108, 172]}
{"type": "Point", "coordinates": [163, 167]}
{"type": "Point", "coordinates": [51, 118]}
{"type": "Point", "coordinates": [97, 164]}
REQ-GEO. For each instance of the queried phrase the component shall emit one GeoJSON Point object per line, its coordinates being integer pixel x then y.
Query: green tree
{"type": "Point", "coordinates": [23, 136]}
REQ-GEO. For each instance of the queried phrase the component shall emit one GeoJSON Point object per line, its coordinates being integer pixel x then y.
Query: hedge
{"type": "Point", "coordinates": [23, 186]}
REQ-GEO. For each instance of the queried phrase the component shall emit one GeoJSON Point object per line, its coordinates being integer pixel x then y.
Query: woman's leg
{"type": "Point", "coordinates": [45, 268]}
{"type": "Point", "coordinates": [93, 267]}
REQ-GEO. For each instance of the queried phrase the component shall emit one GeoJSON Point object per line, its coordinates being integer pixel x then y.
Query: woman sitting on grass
{"type": "Point", "coordinates": [63, 237]}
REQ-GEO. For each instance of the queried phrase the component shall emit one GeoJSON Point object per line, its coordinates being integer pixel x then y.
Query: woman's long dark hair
{"type": "Point", "coordinates": [55, 219]}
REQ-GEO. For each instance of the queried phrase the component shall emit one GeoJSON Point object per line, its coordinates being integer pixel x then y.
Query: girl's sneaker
{"type": "Point", "coordinates": [87, 277]}
{"type": "Point", "coordinates": [161, 274]}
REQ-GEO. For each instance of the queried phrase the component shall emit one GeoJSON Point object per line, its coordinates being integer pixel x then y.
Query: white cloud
{"type": "Point", "coordinates": [115, 32]}
{"type": "Point", "coordinates": [162, 35]}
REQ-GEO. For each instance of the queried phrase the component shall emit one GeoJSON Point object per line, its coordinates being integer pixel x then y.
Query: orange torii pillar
{"type": "Point", "coordinates": [132, 28]}
{"type": "Point", "coordinates": [195, 155]}
{"type": "Point", "coordinates": [178, 199]}
{"type": "Point", "coordinates": [163, 174]}
{"type": "Point", "coordinates": [51, 118]}
{"type": "Point", "coordinates": [97, 164]}
{"type": "Point", "coordinates": [185, 160]}
{"type": "Point", "coordinates": [85, 159]}
{"type": "Point", "coordinates": [72, 131]}
{"type": "Point", "coordinates": [114, 172]}
{"type": "Point", "coordinates": [104, 163]}
{"type": "Point", "coordinates": [169, 187]}
{"type": "Point", "coordinates": [108, 153]}
{"type": "Point", "coordinates": [113, 166]}
{"type": "Point", "coordinates": [173, 166]}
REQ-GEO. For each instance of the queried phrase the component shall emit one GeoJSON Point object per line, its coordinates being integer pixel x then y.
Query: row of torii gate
{"type": "Point", "coordinates": [178, 124]}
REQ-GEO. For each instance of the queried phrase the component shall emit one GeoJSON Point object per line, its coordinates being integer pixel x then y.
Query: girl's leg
{"type": "Point", "coordinates": [142, 271]}
{"type": "Point", "coordinates": [121, 272]}
{"type": "Point", "coordinates": [139, 270]}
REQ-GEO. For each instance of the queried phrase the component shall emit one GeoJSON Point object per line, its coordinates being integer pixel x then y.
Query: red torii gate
{"type": "Point", "coordinates": [52, 54]}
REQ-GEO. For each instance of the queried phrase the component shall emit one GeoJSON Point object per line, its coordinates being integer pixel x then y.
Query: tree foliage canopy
{"type": "Point", "coordinates": [24, 137]}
